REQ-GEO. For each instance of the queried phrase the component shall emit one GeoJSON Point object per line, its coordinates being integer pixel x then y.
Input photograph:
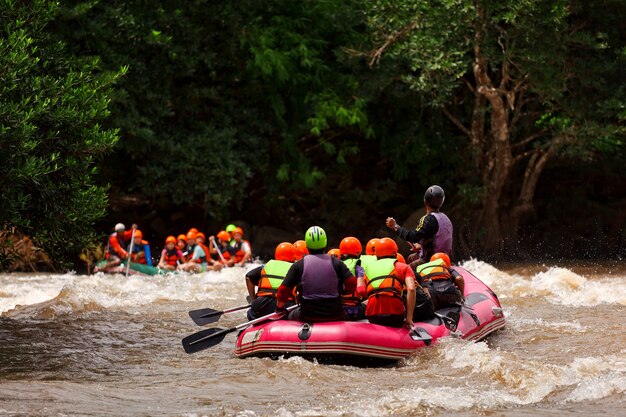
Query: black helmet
{"type": "Point", "coordinates": [434, 196]}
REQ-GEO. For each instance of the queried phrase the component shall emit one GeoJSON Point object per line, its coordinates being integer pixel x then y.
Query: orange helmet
{"type": "Point", "coordinates": [400, 258]}
{"type": "Point", "coordinates": [223, 235]}
{"type": "Point", "coordinates": [200, 234]}
{"type": "Point", "coordinates": [170, 239]}
{"type": "Point", "coordinates": [441, 255]}
{"type": "Point", "coordinates": [386, 247]}
{"type": "Point", "coordinates": [191, 235]}
{"type": "Point", "coordinates": [301, 249]}
{"type": "Point", "coordinates": [370, 248]}
{"type": "Point", "coordinates": [193, 229]}
{"type": "Point", "coordinates": [285, 252]}
{"type": "Point", "coordinates": [138, 234]}
{"type": "Point", "coordinates": [238, 230]}
{"type": "Point", "coordinates": [334, 252]}
{"type": "Point", "coordinates": [182, 237]}
{"type": "Point", "coordinates": [350, 246]}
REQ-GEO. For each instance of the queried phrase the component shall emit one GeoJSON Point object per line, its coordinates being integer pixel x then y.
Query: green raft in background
{"type": "Point", "coordinates": [135, 269]}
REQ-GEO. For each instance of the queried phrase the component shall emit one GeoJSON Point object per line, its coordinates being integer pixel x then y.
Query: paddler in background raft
{"type": "Point", "coordinates": [171, 255]}
{"type": "Point", "coordinates": [200, 260]}
{"type": "Point", "coordinates": [267, 278]}
{"type": "Point", "coordinates": [181, 244]}
{"type": "Point", "coordinates": [320, 280]}
{"type": "Point", "coordinates": [141, 250]}
{"type": "Point", "coordinates": [350, 253]}
{"type": "Point", "coordinates": [239, 249]}
{"type": "Point", "coordinates": [117, 241]}
{"type": "Point", "coordinates": [433, 233]}
{"type": "Point", "coordinates": [219, 248]}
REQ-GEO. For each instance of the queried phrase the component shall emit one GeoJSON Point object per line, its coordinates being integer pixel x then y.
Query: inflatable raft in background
{"type": "Point", "coordinates": [363, 342]}
{"type": "Point", "coordinates": [135, 269]}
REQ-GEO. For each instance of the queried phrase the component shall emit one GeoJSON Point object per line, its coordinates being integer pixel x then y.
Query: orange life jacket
{"type": "Point", "coordinates": [433, 271]}
{"type": "Point", "coordinates": [207, 254]}
{"type": "Point", "coordinates": [272, 275]}
{"type": "Point", "coordinates": [239, 254]}
{"type": "Point", "coordinates": [140, 256]}
{"type": "Point", "coordinates": [381, 279]}
{"type": "Point", "coordinates": [171, 256]}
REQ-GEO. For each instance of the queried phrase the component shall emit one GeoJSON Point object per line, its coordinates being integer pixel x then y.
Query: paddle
{"type": "Point", "coordinates": [130, 250]}
{"type": "Point", "coordinates": [219, 252]}
{"type": "Point", "coordinates": [205, 339]}
{"type": "Point", "coordinates": [209, 315]}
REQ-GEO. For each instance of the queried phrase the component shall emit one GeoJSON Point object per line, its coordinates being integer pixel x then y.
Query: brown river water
{"type": "Point", "coordinates": [111, 346]}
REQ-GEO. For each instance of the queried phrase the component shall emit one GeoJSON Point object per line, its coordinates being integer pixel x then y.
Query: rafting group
{"type": "Point", "coordinates": [347, 284]}
{"type": "Point", "coordinates": [187, 252]}
{"type": "Point", "coordinates": [330, 304]}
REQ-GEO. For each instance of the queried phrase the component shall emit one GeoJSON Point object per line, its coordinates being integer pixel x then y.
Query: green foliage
{"type": "Point", "coordinates": [51, 106]}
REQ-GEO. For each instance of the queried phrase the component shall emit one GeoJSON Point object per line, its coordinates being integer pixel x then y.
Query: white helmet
{"type": "Point", "coordinates": [120, 227]}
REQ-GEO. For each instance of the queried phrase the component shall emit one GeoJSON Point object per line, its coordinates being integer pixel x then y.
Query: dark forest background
{"type": "Point", "coordinates": [280, 114]}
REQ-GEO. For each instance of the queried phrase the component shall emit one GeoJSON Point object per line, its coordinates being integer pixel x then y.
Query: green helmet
{"type": "Point", "coordinates": [315, 238]}
{"type": "Point", "coordinates": [231, 228]}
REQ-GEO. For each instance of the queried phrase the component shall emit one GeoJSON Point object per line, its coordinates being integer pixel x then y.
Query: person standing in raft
{"type": "Point", "coordinates": [141, 250]}
{"type": "Point", "coordinates": [384, 284]}
{"type": "Point", "coordinates": [434, 231]}
{"type": "Point", "coordinates": [117, 241]}
{"type": "Point", "coordinates": [320, 280]}
{"type": "Point", "coordinates": [239, 249]}
{"type": "Point", "coordinates": [171, 255]}
{"type": "Point", "coordinates": [446, 286]}
{"type": "Point", "coordinates": [267, 278]}
{"type": "Point", "coordinates": [350, 253]}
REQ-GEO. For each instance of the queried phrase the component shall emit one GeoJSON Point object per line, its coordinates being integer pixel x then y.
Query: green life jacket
{"type": "Point", "coordinates": [272, 275]}
{"type": "Point", "coordinates": [381, 280]}
{"type": "Point", "coordinates": [365, 259]}
{"type": "Point", "coordinates": [351, 263]}
{"type": "Point", "coordinates": [433, 270]}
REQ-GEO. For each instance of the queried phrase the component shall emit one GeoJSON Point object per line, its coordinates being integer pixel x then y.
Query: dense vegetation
{"type": "Point", "coordinates": [285, 113]}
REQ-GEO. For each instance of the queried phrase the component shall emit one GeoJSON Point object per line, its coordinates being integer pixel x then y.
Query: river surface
{"type": "Point", "coordinates": [107, 345]}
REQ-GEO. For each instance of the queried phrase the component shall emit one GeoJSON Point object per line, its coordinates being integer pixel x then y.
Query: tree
{"type": "Point", "coordinates": [51, 107]}
{"type": "Point", "coordinates": [515, 77]}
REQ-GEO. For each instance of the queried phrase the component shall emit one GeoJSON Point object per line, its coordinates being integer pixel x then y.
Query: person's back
{"type": "Point", "coordinates": [267, 279]}
{"type": "Point", "coordinates": [445, 285]}
{"type": "Point", "coordinates": [384, 283]}
{"type": "Point", "coordinates": [350, 253]}
{"type": "Point", "coordinates": [320, 280]}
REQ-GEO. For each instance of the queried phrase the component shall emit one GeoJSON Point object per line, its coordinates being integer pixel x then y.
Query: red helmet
{"type": "Point", "coordinates": [350, 246]}
{"type": "Point", "coordinates": [238, 230]}
{"type": "Point", "coordinates": [285, 252]}
{"type": "Point", "coordinates": [170, 239]}
{"type": "Point", "coordinates": [400, 258]}
{"type": "Point", "coordinates": [370, 248]}
{"type": "Point", "coordinates": [441, 255]}
{"type": "Point", "coordinates": [301, 249]}
{"type": "Point", "coordinates": [200, 234]}
{"type": "Point", "coordinates": [334, 252]}
{"type": "Point", "coordinates": [182, 237]}
{"type": "Point", "coordinates": [191, 235]}
{"type": "Point", "coordinates": [224, 235]}
{"type": "Point", "coordinates": [138, 234]}
{"type": "Point", "coordinates": [386, 247]}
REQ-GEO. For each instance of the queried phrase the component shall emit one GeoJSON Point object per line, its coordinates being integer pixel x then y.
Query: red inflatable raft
{"type": "Point", "coordinates": [358, 341]}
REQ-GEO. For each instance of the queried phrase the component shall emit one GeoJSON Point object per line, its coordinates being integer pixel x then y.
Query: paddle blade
{"type": "Point", "coordinates": [205, 339]}
{"type": "Point", "coordinates": [205, 316]}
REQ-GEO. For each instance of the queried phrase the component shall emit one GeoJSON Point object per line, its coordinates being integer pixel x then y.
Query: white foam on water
{"type": "Point", "coordinates": [558, 285]}
{"type": "Point", "coordinates": [562, 286]}
{"type": "Point", "coordinates": [523, 324]}
{"type": "Point", "coordinates": [72, 292]}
